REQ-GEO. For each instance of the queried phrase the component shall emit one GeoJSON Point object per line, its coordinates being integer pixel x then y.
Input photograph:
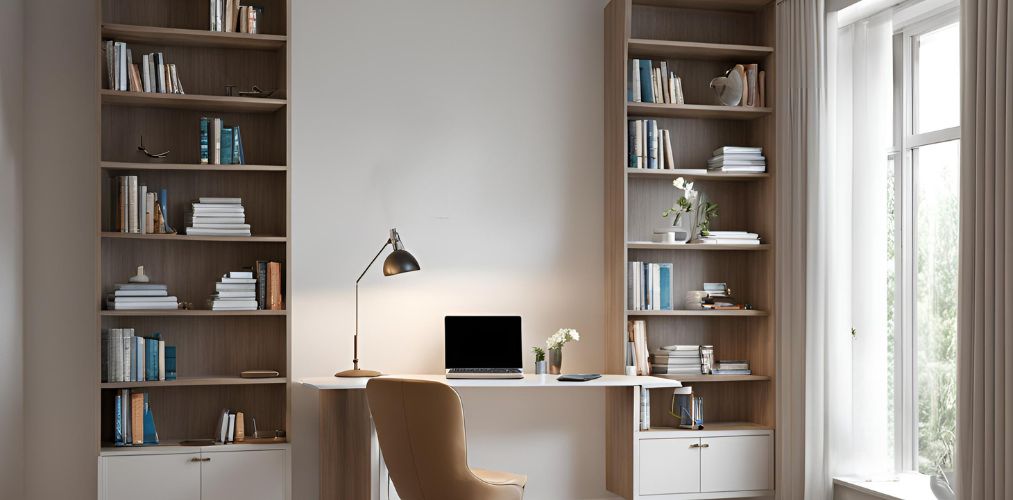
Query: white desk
{"type": "Point", "coordinates": [351, 467]}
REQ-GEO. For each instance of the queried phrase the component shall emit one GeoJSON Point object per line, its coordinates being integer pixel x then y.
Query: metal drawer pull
{"type": "Point", "coordinates": [200, 459]}
{"type": "Point", "coordinates": [704, 445]}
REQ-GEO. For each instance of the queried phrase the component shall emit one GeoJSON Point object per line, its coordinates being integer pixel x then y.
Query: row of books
{"type": "Point", "coordinates": [230, 16]}
{"type": "Point", "coordinates": [636, 347]}
{"type": "Point", "coordinates": [650, 81]}
{"type": "Point", "coordinates": [649, 146]}
{"type": "Point", "coordinates": [129, 296]}
{"type": "Point", "coordinates": [138, 209]}
{"type": "Point", "coordinates": [739, 159]}
{"type": "Point", "coordinates": [754, 88]}
{"type": "Point", "coordinates": [150, 74]}
{"type": "Point", "coordinates": [649, 286]}
{"type": "Point", "coordinates": [730, 238]}
{"type": "Point", "coordinates": [250, 290]}
{"type": "Point", "coordinates": [231, 427]}
{"type": "Point", "coordinates": [211, 216]}
{"type": "Point", "coordinates": [219, 144]}
{"type": "Point", "coordinates": [133, 421]}
{"type": "Point", "coordinates": [130, 358]}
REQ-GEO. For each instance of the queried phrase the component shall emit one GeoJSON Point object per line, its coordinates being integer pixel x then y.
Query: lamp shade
{"type": "Point", "coordinates": [399, 261]}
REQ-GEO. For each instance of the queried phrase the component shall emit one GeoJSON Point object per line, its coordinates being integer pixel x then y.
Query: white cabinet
{"type": "Point", "coordinates": [669, 466]}
{"type": "Point", "coordinates": [153, 477]}
{"type": "Point", "coordinates": [713, 465]}
{"type": "Point", "coordinates": [247, 472]}
{"type": "Point", "coordinates": [737, 463]}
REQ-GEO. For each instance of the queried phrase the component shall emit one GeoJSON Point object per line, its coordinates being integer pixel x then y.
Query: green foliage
{"type": "Point", "coordinates": [708, 212]}
{"type": "Point", "coordinates": [539, 353]}
{"type": "Point", "coordinates": [682, 205]}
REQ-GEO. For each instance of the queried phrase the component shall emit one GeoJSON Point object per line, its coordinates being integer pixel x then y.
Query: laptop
{"type": "Point", "coordinates": [483, 346]}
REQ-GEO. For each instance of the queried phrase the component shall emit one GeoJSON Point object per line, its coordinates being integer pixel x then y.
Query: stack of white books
{"type": "Point", "coordinates": [676, 360]}
{"type": "Point", "coordinates": [237, 291]}
{"type": "Point", "coordinates": [128, 296]}
{"type": "Point", "coordinates": [730, 238]}
{"type": "Point", "coordinates": [217, 217]}
{"type": "Point", "coordinates": [738, 159]}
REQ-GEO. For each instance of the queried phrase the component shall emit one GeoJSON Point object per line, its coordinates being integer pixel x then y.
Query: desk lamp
{"type": "Point", "coordinates": [399, 261]}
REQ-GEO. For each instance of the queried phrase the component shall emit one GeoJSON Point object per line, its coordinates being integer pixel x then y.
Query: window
{"type": "Point", "coordinates": [923, 211]}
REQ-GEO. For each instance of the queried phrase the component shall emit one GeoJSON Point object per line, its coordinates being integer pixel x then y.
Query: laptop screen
{"type": "Point", "coordinates": [483, 341]}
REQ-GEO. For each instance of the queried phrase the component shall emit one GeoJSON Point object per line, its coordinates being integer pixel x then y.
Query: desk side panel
{"type": "Point", "coordinates": [620, 410]}
{"type": "Point", "coordinates": [345, 446]}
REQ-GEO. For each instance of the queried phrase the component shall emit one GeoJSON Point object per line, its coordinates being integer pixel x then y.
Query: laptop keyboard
{"type": "Point", "coordinates": [484, 370]}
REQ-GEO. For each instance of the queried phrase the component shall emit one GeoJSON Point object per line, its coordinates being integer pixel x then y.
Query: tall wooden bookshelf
{"type": "Point", "coordinates": [213, 347]}
{"type": "Point", "coordinates": [700, 39]}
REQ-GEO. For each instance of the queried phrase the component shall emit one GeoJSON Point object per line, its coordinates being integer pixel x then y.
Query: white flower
{"type": "Point", "coordinates": [562, 336]}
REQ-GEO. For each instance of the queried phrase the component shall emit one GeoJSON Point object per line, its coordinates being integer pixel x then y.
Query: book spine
{"type": "Point", "coordinates": [274, 302]}
{"type": "Point", "coordinates": [125, 415]}
{"type": "Point", "coordinates": [226, 145]}
{"type": "Point", "coordinates": [646, 87]}
{"type": "Point", "coordinates": [139, 359]}
{"type": "Point", "coordinates": [145, 76]}
{"type": "Point", "coordinates": [117, 420]}
{"type": "Point", "coordinates": [160, 71]}
{"type": "Point", "coordinates": [652, 144]}
{"type": "Point", "coordinates": [665, 276]}
{"type": "Point", "coordinates": [161, 360]}
{"type": "Point", "coordinates": [658, 94]}
{"type": "Point", "coordinates": [254, 17]}
{"type": "Point", "coordinates": [149, 214]}
{"type": "Point", "coordinates": [635, 70]}
{"type": "Point", "coordinates": [151, 360]}
{"type": "Point", "coordinates": [666, 95]}
{"type": "Point", "coordinates": [170, 362]}
{"type": "Point", "coordinates": [142, 208]}
{"type": "Point", "coordinates": [121, 215]}
{"type": "Point", "coordinates": [204, 140]}
{"type": "Point", "coordinates": [110, 53]}
{"type": "Point", "coordinates": [137, 418]}
{"type": "Point", "coordinates": [237, 155]}
{"type": "Point", "coordinates": [217, 141]}
{"type": "Point", "coordinates": [645, 409]}
{"type": "Point", "coordinates": [121, 66]}
{"type": "Point", "coordinates": [762, 87]}
{"type": "Point", "coordinates": [261, 284]}
{"type": "Point", "coordinates": [132, 203]}
{"type": "Point", "coordinates": [631, 144]}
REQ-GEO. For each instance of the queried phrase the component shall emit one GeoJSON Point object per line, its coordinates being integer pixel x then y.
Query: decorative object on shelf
{"type": "Point", "coordinates": [256, 91]}
{"type": "Point", "coordinates": [217, 217]}
{"type": "Point", "coordinates": [737, 160]}
{"type": "Point", "coordinates": [139, 295]}
{"type": "Point", "coordinates": [682, 227]}
{"type": "Point", "coordinates": [140, 277]}
{"type": "Point", "coordinates": [694, 299]}
{"type": "Point", "coordinates": [687, 408]}
{"type": "Point", "coordinates": [728, 87]}
{"type": "Point", "coordinates": [149, 154]}
{"type": "Point", "coordinates": [540, 368]}
{"type": "Point", "coordinates": [235, 291]}
{"type": "Point", "coordinates": [708, 210]}
{"type": "Point", "coordinates": [399, 261]}
{"type": "Point", "coordinates": [555, 345]}
{"type": "Point", "coordinates": [258, 374]}
{"type": "Point", "coordinates": [706, 359]}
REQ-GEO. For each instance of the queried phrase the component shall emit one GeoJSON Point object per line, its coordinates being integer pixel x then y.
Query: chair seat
{"type": "Point", "coordinates": [500, 478]}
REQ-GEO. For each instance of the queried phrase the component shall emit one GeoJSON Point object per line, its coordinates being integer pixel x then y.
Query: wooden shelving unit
{"type": "Point", "coordinates": [700, 39]}
{"type": "Point", "coordinates": [213, 347]}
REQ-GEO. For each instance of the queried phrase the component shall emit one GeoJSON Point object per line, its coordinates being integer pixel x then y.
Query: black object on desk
{"type": "Point", "coordinates": [578, 377]}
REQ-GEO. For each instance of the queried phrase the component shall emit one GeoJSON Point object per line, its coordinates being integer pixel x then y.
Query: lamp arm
{"type": "Point", "coordinates": [355, 347]}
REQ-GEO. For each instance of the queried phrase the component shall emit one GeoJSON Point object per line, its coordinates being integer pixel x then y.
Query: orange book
{"type": "Point", "coordinates": [274, 302]}
{"type": "Point", "coordinates": [240, 428]}
{"type": "Point", "coordinates": [135, 79]}
{"type": "Point", "coordinates": [137, 418]}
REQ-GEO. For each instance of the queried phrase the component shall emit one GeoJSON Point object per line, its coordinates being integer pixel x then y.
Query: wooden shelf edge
{"type": "Point", "coordinates": [732, 5]}
{"type": "Point", "coordinates": [697, 50]}
{"type": "Point", "coordinates": [190, 312]}
{"type": "Point", "coordinates": [700, 312]}
{"type": "Point", "coordinates": [704, 111]}
{"type": "Point", "coordinates": [191, 38]}
{"type": "Point", "coordinates": [173, 446]}
{"type": "Point", "coordinates": [192, 101]}
{"type": "Point", "coordinates": [646, 245]}
{"type": "Point", "coordinates": [662, 173]}
{"type": "Point", "coordinates": [713, 378]}
{"type": "Point", "coordinates": [194, 382]}
{"type": "Point", "coordinates": [189, 167]}
{"type": "Point", "coordinates": [113, 235]}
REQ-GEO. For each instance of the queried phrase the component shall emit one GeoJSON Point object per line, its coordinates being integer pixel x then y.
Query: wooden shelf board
{"type": "Point", "coordinates": [154, 35]}
{"type": "Point", "coordinates": [192, 101]}
{"type": "Point", "coordinates": [187, 167]}
{"type": "Point", "coordinates": [714, 378]}
{"type": "Point", "coordinates": [699, 312]}
{"type": "Point", "coordinates": [734, 5]}
{"type": "Point", "coordinates": [182, 237]}
{"type": "Point", "coordinates": [173, 446]}
{"type": "Point", "coordinates": [634, 109]}
{"type": "Point", "coordinates": [647, 245]}
{"type": "Point", "coordinates": [709, 429]}
{"type": "Point", "coordinates": [657, 173]}
{"type": "Point", "coordinates": [196, 381]}
{"type": "Point", "coordinates": [639, 47]}
{"type": "Point", "coordinates": [190, 312]}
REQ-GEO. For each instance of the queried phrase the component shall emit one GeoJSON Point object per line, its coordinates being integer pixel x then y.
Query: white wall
{"type": "Point", "coordinates": [11, 160]}
{"type": "Point", "coordinates": [475, 128]}
{"type": "Point", "coordinates": [60, 179]}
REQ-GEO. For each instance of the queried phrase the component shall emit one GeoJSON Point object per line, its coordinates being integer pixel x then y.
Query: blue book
{"type": "Point", "coordinates": [151, 360]}
{"type": "Point", "coordinates": [238, 158]}
{"type": "Point", "coordinates": [631, 143]}
{"type": "Point", "coordinates": [203, 140]}
{"type": "Point", "coordinates": [150, 434]}
{"type": "Point", "coordinates": [646, 87]}
{"type": "Point", "coordinates": [163, 197]}
{"type": "Point", "coordinates": [125, 414]}
{"type": "Point", "coordinates": [665, 276]}
{"type": "Point", "coordinates": [226, 145]}
{"type": "Point", "coordinates": [118, 421]}
{"type": "Point", "coordinates": [170, 362]}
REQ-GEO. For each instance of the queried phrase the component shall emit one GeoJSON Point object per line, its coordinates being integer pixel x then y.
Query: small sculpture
{"type": "Point", "coordinates": [140, 277]}
{"type": "Point", "coordinates": [729, 87]}
{"type": "Point", "coordinates": [149, 154]}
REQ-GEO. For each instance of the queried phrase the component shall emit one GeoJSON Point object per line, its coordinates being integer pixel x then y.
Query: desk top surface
{"type": "Point", "coordinates": [327, 383]}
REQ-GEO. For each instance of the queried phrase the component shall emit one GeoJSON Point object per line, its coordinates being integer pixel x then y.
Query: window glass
{"type": "Point", "coordinates": [936, 230]}
{"type": "Point", "coordinates": [891, 290]}
{"type": "Point", "coordinates": [937, 79]}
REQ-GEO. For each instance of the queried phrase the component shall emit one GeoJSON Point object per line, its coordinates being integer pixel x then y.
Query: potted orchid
{"type": "Point", "coordinates": [555, 345]}
{"type": "Point", "coordinates": [682, 228]}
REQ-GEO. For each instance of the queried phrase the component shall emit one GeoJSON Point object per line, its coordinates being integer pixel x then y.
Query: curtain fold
{"type": "Point", "coordinates": [985, 344]}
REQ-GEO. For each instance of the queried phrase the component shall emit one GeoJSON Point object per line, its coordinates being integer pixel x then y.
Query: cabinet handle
{"type": "Point", "coordinates": [697, 445]}
{"type": "Point", "coordinates": [200, 459]}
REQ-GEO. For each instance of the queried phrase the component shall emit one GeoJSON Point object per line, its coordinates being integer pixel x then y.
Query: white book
{"type": "Point", "coordinates": [213, 26]}
{"type": "Point", "coordinates": [202, 225]}
{"type": "Point", "coordinates": [145, 76]}
{"type": "Point", "coordinates": [735, 234]}
{"type": "Point", "coordinates": [226, 294]}
{"type": "Point", "coordinates": [160, 71]}
{"type": "Point", "coordinates": [141, 305]}
{"type": "Point", "coordinates": [236, 286]}
{"type": "Point", "coordinates": [121, 65]}
{"type": "Point", "coordinates": [128, 351]}
{"type": "Point", "coordinates": [149, 214]}
{"type": "Point", "coordinates": [228, 279]}
{"type": "Point", "coordinates": [220, 200]}
{"type": "Point", "coordinates": [216, 142]}
{"type": "Point", "coordinates": [125, 300]}
{"type": "Point", "coordinates": [217, 232]}
{"type": "Point", "coordinates": [225, 206]}
{"type": "Point", "coordinates": [140, 286]}
{"type": "Point", "coordinates": [635, 70]}
{"type": "Point", "coordinates": [737, 149]}
{"type": "Point", "coordinates": [132, 203]}
{"type": "Point", "coordinates": [142, 208]}
{"type": "Point", "coordinates": [232, 427]}
{"type": "Point", "coordinates": [240, 275]}
{"type": "Point", "coordinates": [748, 169]}
{"type": "Point", "coordinates": [680, 99]}
{"type": "Point", "coordinates": [219, 220]}
{"type": "Point", "coordinates": [726, 241]}
{"type": "Point", "coordinates": [234, 209]}
{"type": "Point", "coordinates": [249, 305]}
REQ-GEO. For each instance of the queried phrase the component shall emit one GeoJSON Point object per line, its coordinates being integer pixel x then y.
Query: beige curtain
{"type": "Point", "coordinates": [798, 97]}
{"type": "Point", "coordinates": [985, 318]}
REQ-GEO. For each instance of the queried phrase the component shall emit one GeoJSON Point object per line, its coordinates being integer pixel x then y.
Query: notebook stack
{"type": "Point", "coordinates": [129, 296]}
{"type": "Point", "coordinates": [738, 159]}
{"type": "Point", "coordinates": [732, 367]}
{"type": "Point", "coordinates": [730, 238]}
{"type": "Point", "coordinates": [676, 360]}
{"type": "Point", "coordinates": [237, 291]}
{"type": "Point", "coordinates": [217, 217]}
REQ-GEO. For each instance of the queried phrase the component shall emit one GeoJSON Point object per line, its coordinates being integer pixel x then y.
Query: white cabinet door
{"type": "Point", "coordinates": [736, 463]}
{"type": "Point", "coordinates": [152, 477]}
{"type": "Point", "coordinates": [669, 466]}
{"type": "Point", "coordinates": [249, 475]}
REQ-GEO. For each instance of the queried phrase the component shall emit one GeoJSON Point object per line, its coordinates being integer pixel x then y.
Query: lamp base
{"type": "Point", "coordinates": [358, 373]}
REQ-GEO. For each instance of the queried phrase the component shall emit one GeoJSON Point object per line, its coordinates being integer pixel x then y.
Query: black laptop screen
{"type": "Point", "coordinates": [483, 341]}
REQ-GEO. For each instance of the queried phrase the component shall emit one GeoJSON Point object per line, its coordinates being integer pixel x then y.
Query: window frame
{"type": "Point", "coordinates": [905, 142]}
